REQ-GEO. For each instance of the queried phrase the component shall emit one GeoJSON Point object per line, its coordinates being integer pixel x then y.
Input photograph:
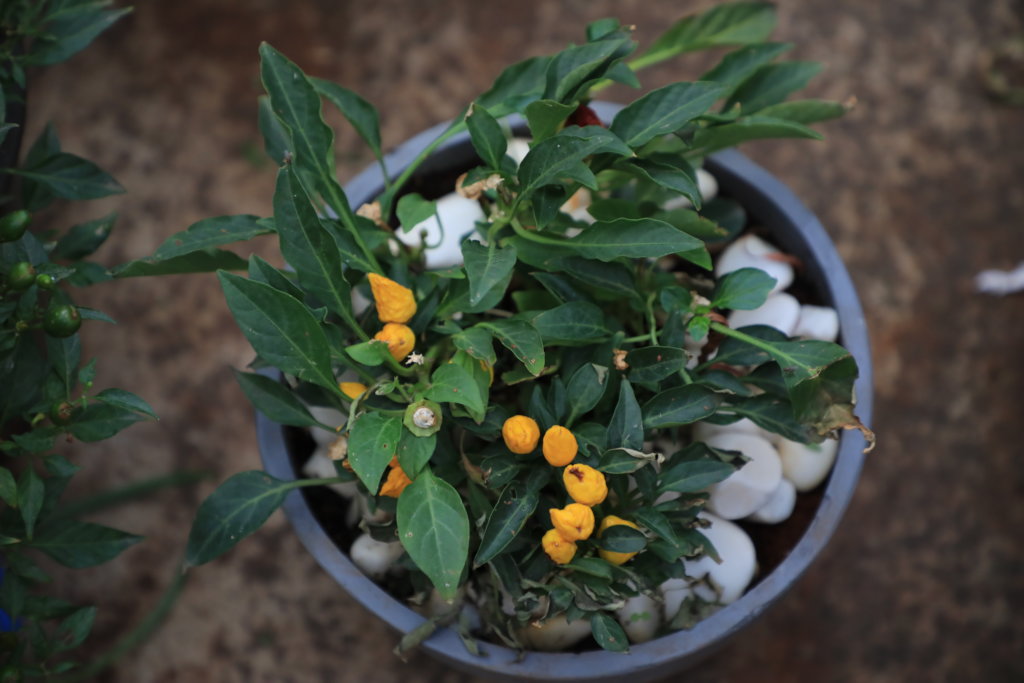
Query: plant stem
{"type": "Point", "coordinates": [338, 200]}
{"type": "Point", "coordinates": [455, 127]}
{"type": "Point", "coordinates": [652, 321]}
{"type": "Point", "coordinates": [742, 336]}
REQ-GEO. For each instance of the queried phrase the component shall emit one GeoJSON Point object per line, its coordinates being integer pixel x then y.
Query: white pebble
{"type": "Point", "coordinates": [319, 466]}
{"type": "Point", "coordinates": [329, 417]}
{"type": "Point", "coordinates": [518, 148]}
{"type": "Point", "coordinates": [750, 251]}
{"type": "Point", "coordinates": [459, 216]}
{"type": "Point", "coordinates": [780, 311]}
{"type": "Point", "coordinates": [817, 322]}
{"type": "Point", "coordinates": [555, 634]}
{"type": "Point", "coordinates": [749, 487]}
{"type": "Point", "coordinates": [733, 574]}
{"type": "Point", "coordinates": [373, 557]}
{"type": "Point", "coordinates": [640, 618]}
{"type": "Point", "coordinates": [673, 592]}
{"type": "Point", "coordinates": [807, 465]}
{"type": "Point", "coordinates": [704, 430]}
{"type": "Point", "coordinates": [779, 507]}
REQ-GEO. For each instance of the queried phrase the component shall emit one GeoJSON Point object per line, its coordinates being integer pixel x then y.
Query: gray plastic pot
{"type": "Point", "coordinates": [797, 231]}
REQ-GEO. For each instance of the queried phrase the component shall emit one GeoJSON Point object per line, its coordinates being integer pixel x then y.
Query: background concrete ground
{"type": "Point", "coordinates": [920, 186]}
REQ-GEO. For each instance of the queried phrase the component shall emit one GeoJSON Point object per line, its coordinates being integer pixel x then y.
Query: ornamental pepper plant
{"type": "Point", "coordinates": [519, 423]}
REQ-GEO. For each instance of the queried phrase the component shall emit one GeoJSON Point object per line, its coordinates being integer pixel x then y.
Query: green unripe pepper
{"type": "Point", "coordinates": [62, 320]}
{"type": "Point", "coordinates": [13, 225]}
{"type": "Point", "coordinates": [21, 276]}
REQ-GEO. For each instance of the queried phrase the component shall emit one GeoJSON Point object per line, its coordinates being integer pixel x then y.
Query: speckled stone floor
{"type": "Point", "coordinates": [921, 186]}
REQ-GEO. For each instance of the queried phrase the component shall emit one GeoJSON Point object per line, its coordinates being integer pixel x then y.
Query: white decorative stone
{"type": "Point", "coordinates": [319, 466]}
{"type": "Point", "coordinates": [780, 311]}
{"type": "Point", "coordinates": [458, 216]}
{"type": "Point", "coordinates": [750, 251]}
{"type": "Point", "coordinates": [739, 562]}
{"type": "Point", "coordinates": [752, 485]}
{"type": "Point", "coordinates": [554, 634]}
{"type": "Point", "coordinates": [807, 465]}
{"type": "Point", "coordinates": [706, 184]}
{"type": "Point", "coordinates": [673, 592]}
{"type": "Point", "coordinates": [373, 557]}
{"type": "Point", "coordinates": [518, 148]}
{"type": "Point", "coordinates": [779, 507]}
{"type": "Point", "coordinates": [327, 416]}
{"type": "Point", "coordinates": [702, 431]}
{"type": "Point", "coordinates": [817, 322]}
{"type": "Point", "coordinates": [640, 618]}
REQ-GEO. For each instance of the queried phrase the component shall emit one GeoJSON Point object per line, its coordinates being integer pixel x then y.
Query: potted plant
{"type": "Point", "coordinates": [529, 387]}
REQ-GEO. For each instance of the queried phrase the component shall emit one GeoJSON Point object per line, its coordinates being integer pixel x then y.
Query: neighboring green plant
{"type": "Point", "coordinates": [553, 326]}
{"type": "Point", "coordinates": [47, 394]}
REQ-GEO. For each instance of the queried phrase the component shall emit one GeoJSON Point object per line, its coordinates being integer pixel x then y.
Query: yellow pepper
{"type": "Point", "coordinates": [395, 483]}
{"type": "Point", "coordinates": [585, 484]}
{"type": "Point", "coordinates": [521, 434]}
{"type": "Point", "coordinates": [400, 339]}
{"type": "Point", "coordinates": [559, 446]}
{"type": "Point", "coordinates": [395, 303]}
{"type": "Point", "coordinates": [608, 555]}
{"type": "Point", "coordinates": [574, 522]}
{"type": "Point", "coordinates": [352, 389]}
{"type": "Point", "coordinates": [558, 549]}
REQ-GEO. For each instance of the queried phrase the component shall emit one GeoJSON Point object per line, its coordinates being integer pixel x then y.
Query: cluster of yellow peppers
{"type": "Point", "coordinates": [585, 485]}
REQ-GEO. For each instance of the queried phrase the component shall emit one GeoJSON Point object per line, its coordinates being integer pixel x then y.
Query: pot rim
{"type": "Point", "coordinates": [661, 655]}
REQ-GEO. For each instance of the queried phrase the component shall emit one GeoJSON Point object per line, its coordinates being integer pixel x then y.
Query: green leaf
{"type": "Point", "coordinates": [413, 209]}
{"type": "Point", "coordinates": [805, 111]}
{"type": "Point", "coordinates": [804, 360]}
{"type": "Point", "coordinates": [414, 452]}
{"type": "Point", "coordinates": [8, 488]}
{"type": "Point", "coordinates": [664, 111]}
{"type": "Point", "coordinates": [654, 521]}
{"type": "Point", "coordinates": [690, 222]}
{"type": "Point", "coordinates": [433, 527]}
{"type": "Point", "coordinates": [771, 84]}
{"type": "Point", "coordinates": [522, 339]}
{"type": "Point", "coordinates": [632, 238]}
{"type": "Point", "coordinates": [654, 363]}
{"type": "Point", "coordinates": [79, 545]}
{"type": "Point", "coordinates": [486, 267]}
{"type": "Point", "coordinates": [615, 279]}
{"type": "Point", "coordinates": [776, 415]}
{"type": "Point", "coordinates": [261, 271]}
{"type": "Point", "coordinates": [516, 87]}
{"type": "Point", "coordinates": [83, 239]}
{"type": "Point", "coordinates": [545, 116]}
{"type": "Point", "coordinates": [671, 177]}
{"type": "Point", "coordinates": [680, 406]}
{"type": "Point", "coordinates": [734, 351]}
{"type": "Point", "coordinates": [360, 113]}
{"type": "Point", "coordinates": [693, 476]}
{"type": "Point", "coordinates": [274, 400]}
{"type": "Point", "coordinates": [71, 28]}
{"type": "Point", "coordinates": [281, 330]}
{"type": "Point", "coordinates": [477, 342]}
{"type": "Point", "coordinates": [236, 509]}
{"type": "Point", "coordinates": [71, 177]}
{"type": "Point", "coordinates": [585, 389]}
{"type": "Point", "coordinates": [622, 538]}
{"type": "Point", "coordinates": [572, 323]}
{"type": "Point", "coordinates": [486, 135]}
{"type": "Point", "coordinates": [127, 400]}
{"type": "Point", "coordinates": [372, 353]}
{"type": "Point", "coordinates": [626, 428]}
{"type": "Point", "coordinates": [576, 66]}
{"type": "Point", "coordinates": [451, 383]}
{"type": "Point", "coordinates": [826, 402]}
{"type": "Point", "coordinates": [561, 156]}
{"type": "Point", "coordinates": [74, 629]}
{"type": "Point", "coordinates": [99, 421]}
{"type": "Point", "coordinates": [758, 127]}
{"type": "Point", "coordinates": [372, 442]}
{"type": "Point", "coordinates": [742, 290]}
{"type": "Point", "coordinates": [608, 633]}
{"type": "Point", "coordinates": [734, 23]}
{"type": "Point", "coordinates": [31, 491]}
{"type": "Point", "coordinates": [297, 105]}
{"type": "Point", "coordinates": [211, 232]}
{"type": "Point", "coordinates": [65, 357]}
{"type": "Point", "coordinates": [623, 460]}
{"type": "Point", "coordinates": [514, 507]}
{"type": "Point", "coordinates": [276, 141]}
{"type": "Point", "coordinates": [308, 247]}
{"type": "Point", "coordinates": [736, 66]}
{"type": "Point", "coordinates": [205, 261]}
{"type": "Point", "coordinates": [605, 140]}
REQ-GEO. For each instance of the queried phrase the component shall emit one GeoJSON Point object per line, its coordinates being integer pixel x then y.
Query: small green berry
{"type": "Point", "coordinates": [13, 225]}
{"type": "Point", "coordinates": [21, 276]}
{"type": "Point", "coordinates": [60, 412]}
{"type": "Point", "coordinates": [62, 320]}
{"type": "Point", "coordinates": [45, 281]}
